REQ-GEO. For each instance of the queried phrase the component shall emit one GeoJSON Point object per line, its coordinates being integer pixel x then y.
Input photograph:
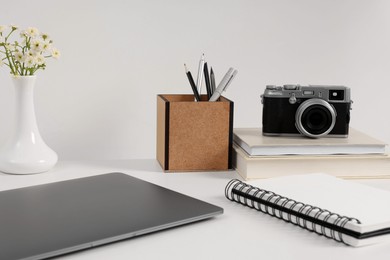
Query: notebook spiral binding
{"type": "Point", "coordinates": [314, 219]}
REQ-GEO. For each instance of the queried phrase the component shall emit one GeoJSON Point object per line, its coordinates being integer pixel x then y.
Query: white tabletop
{"type": "Point", "coordinates": [240, 233]}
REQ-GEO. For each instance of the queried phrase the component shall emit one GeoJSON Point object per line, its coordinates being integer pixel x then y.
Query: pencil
{"type": "Point", "coordinates": [212, 80]}
{"type": "Point", "coordinates": [207, 80]}
{"type": "Point", "coordinates": [192, 83]}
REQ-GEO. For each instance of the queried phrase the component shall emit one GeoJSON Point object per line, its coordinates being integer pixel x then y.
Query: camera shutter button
{"type": "Point", "coordinates": [292, 100]}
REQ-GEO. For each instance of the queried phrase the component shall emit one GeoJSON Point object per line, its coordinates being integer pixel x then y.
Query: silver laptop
{"type": "Point", "coordinates": [57, 218]}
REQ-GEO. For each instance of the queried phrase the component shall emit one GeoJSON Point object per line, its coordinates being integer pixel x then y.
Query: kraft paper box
{"type": "Point", "coordinates": [194, 136]}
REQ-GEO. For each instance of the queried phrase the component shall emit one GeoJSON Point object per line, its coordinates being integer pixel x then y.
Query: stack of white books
{"type": "Point", "coordinates": [357, 156]}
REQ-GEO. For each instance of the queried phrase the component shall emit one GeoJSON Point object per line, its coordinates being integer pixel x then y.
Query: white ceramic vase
{"type": "Point", "coordinates": [26, 152]}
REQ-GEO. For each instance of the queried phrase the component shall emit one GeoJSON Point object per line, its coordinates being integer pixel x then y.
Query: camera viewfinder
{"type": "Point", "coordinates": [336, 94]}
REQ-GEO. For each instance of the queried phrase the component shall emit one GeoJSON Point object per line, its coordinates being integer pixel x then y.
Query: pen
{"type": "Point", "coordinates": [199, 80]}
{"type": "Point", "coordinates": [230, 80]}
{"type": "Point", "coordinates": [207, 80]}
{"type": "Point", "coordinates": [225, 82]}
{"type": "Point", "coordinates": [192, 83]}
{"type": "Point", "coordinates": [212, 80]}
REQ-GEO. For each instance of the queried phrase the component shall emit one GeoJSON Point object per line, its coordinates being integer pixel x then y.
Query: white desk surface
{"type": "Point", "coordinates": [240, 233]}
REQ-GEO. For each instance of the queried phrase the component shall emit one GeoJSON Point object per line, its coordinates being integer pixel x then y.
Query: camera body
{"type": "Point", "coordinates": [312, 111]}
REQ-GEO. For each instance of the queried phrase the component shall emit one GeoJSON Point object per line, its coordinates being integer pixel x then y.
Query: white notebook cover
{"type": "Point", "coordinates": [371, 206]}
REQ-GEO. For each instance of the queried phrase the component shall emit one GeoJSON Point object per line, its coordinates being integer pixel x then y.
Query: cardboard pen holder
{"type": "Point", "coordinates": [194, 136]}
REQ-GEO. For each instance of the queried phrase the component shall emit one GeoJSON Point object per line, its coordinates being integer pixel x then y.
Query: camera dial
{"type": "Point", "coordinates": [315, 118]}
{"type": "Point", "coordinates": [290, 87]}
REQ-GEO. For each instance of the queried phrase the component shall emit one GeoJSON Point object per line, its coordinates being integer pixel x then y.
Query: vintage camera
{"type": "Point", "coordinates": [312, 111]}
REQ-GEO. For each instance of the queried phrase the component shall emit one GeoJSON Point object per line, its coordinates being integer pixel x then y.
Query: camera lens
{"type": "Point", "coordinates": [315, 118]}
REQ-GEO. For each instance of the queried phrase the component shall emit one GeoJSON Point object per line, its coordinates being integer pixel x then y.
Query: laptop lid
{"type": "Point", "coordinates": [57, 218]}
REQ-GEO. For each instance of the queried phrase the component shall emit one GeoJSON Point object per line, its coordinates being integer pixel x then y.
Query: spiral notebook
{"type": "Point", "coordinates": [346, 211]}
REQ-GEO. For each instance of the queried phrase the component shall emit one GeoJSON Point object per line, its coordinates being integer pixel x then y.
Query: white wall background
{"type": "Point", "coordinates": [99, 100]}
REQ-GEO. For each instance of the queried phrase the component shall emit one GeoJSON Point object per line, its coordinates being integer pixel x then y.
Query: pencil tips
{"type": "Point", "coordinates": [213, 92]}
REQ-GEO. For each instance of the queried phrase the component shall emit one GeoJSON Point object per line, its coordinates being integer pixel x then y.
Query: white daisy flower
{"type": "Point", "coordinates": [29, 54]}
{"type": "Point", "coordinates": [46, 46]}
{"type": "Point", "coordinates": [30, 61]}
{"type": "Point", "coordinates": [55, 53]}
{"type": "Point", "coordinates": [19, 57]}
{"type": "Point", "coordinates": [23, 35]}
{"type": "Point", "coordinates": [14, 27]}
{"type": "Point", "coordinates": [32, 32]}
{"type": "Point", "coordinates": [37, 46]}
{"type": "Point", "coordinates": [2, 28]}
{"type": "Point", "coordinates": [39, 59]}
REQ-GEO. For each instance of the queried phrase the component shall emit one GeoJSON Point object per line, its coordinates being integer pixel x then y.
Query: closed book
{"type": "Point", "coordinates": [255, 143]}
{"type": "Point", "coordinates": [346, 211]}
{"type": "Point", "coordinates": [345, 166]}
